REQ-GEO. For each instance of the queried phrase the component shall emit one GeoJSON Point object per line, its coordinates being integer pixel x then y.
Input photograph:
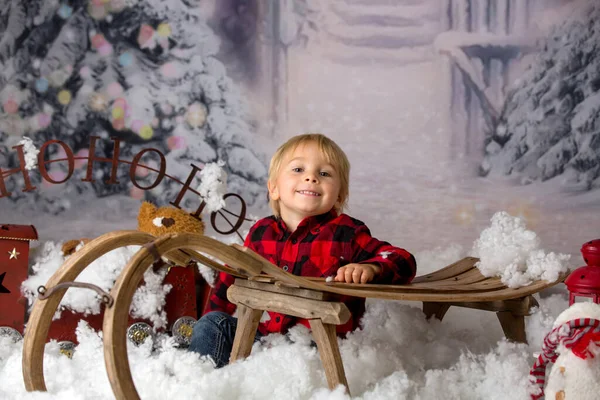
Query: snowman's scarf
{"type": "Point", "coordinates": [575, 335]}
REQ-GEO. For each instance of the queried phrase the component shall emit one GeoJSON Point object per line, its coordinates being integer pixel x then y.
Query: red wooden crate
{"type": "Point", "coordinates": [180, 302]}
{"type": "Point", "coordinates": [14, 264]}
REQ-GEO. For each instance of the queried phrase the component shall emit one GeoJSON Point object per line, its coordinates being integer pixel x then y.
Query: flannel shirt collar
{"type": "Point", "coordinates": [312, 224]}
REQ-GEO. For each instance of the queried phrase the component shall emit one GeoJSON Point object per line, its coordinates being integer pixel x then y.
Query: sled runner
{"type": "Point", "coordinates": [261, 286]}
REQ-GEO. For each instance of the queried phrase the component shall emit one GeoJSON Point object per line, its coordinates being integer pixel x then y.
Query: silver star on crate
{"type": "Point", "coordinates": [13, 254]}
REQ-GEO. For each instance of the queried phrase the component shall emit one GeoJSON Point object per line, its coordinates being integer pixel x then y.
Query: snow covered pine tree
{"type": "Point", "coordinates": [142, 71]}
{"type": "Point", "coordinates": [550, 124]}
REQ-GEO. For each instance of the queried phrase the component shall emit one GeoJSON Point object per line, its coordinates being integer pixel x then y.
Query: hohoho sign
{"type": "Point", "coordinates": [115, 161]}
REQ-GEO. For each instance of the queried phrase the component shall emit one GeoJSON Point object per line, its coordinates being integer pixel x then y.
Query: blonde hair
{"type": "Point", "coordinates": [332, 152]}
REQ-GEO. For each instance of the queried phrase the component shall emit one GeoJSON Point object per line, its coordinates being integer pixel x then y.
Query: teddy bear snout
{"type": "Point", "coordinates": [167, 222]}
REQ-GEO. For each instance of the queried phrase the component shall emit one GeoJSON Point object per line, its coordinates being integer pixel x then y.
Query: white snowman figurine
{"type": "Point", "coordinates": [575, 343]}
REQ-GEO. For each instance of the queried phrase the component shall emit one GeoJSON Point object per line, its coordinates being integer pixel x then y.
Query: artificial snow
{"type": "Point", "coordinates": [31, 153]}
{"type": "Point", "coordinates": [396, 354]}
{"type": "Point", "coordinates": [508, 250]}
{"type": "Point", "coordinates": [213, 185]}
{"type": "Point", "coordinates": [148, 300]}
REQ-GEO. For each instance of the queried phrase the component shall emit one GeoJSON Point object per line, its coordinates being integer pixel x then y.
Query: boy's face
{"type": "Point", "coordinates": [307, 184]}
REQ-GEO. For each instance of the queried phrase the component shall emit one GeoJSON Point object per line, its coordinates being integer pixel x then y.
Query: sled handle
{"type": "Point", "coordinates": [44, 293]}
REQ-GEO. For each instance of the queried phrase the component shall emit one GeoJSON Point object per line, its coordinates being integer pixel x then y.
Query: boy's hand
{"type": "Point", "coordinates": [357, 273]}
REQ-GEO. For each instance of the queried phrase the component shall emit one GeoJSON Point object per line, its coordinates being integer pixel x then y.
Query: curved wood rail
{"type": "Point", "coordinates": [43, 310]}
{"type": "Point", "coordinates": [115, 318]}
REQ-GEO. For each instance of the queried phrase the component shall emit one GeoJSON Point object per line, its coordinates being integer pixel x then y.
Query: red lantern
{"type": "Point", "coordinates": [584, 282]}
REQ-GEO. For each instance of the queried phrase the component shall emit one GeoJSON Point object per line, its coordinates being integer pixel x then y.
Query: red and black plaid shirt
{"type": "Point", "coordinates": [317, 248]}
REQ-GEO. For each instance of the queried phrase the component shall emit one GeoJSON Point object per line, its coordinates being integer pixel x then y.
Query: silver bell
{"type": "Point", "coordinates": [182, 330]}
{"type": "Point", "coordinates": [11, 332]}
{"type": "Point", "coordinates": [138, 332]}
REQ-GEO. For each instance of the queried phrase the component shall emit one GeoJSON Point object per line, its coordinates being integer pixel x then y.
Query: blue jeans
{"type": "Point", "coordinates": [213, 336]}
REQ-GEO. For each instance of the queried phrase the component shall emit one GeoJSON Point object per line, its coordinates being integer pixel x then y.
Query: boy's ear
{"type": "Point", "coordinates": [273, 191]}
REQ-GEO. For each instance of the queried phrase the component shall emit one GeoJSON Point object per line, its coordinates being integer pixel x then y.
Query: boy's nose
{"type": "Point", "coordinates": [310, 179]}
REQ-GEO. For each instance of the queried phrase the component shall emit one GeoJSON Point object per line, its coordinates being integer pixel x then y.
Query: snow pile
{"type": "Point", "coordinates": [397, 354]}
{"type": "Point", "coordinates": [213, 185]}
{"type": "Point", "coordinates": [508, 250]}
{"type": "Point", "coordinates": [148, 301]}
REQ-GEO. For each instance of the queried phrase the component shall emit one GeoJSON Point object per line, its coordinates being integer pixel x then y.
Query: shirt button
{"type": "Point", "coordinates": [277, 319]}
{"type": "Point", "coordinates": [285, 268]}
{"type": "Point", "coordinates": [294, 241]}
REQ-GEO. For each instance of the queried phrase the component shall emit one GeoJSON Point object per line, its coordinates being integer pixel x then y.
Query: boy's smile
{"type": "Point", "coordinates": [307, 185]}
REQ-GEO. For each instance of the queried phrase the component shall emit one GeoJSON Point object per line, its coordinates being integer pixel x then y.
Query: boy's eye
{"type": "Point", "coordinates": [297, 169]}
{"type": "Point", "coordinates": [324, 173]}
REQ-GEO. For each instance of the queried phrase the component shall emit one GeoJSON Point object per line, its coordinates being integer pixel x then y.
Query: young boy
{"type": "Point", "coordinates": [307, 235]}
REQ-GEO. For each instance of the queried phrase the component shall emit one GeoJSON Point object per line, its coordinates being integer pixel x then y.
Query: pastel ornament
{"type": "Point", "coordinates": [146, 132]}
{"type": "Point", "coordinates": [44, 120]}
{"type": "Point", "coordinates": [85, 72]}
{"type": "Point", "coordinates": [136, 193]}
{"type": "Point", "coordinates": [145, 36]}
{"type": "Point", "coordinates": [574, 347]}
{"type": "Point", "coordinates": [120, 102]}
{"type": "Point", "coordinates": [10, 106]}
{"type": "Point", "coordinates": [56, 175]}
{"type": "Point", "coordinates": [176, 142]}
{"type": "Point", "coordinates": [136, 125]}
{"type": "Point", "coordinates": [164, 30]}
{"type": "Point", "coordinates": [98, 102]}
{"type": "Point", "coordinates": [65, 11]}
{"type": "Point", "coordinates": [83, 154]}
{"type": "Point", "coordinates": [98, 40]}
{"type": "Point", "coordinates": [196, 115]}
{"type": "Point", "coordinates": [97, 11]}
{"type": "Point", "coordinates": [126, 59]}
{"type": "Point", "coordinates": [169, 70]}
{"type": "Point", "coordinates": [64, 97]}
{"type": "Point", "coordinates": [118, 113]}
{"type": "Point", "coordinates": [105, 49]}
{"type": "Point", "coordinates": [114, 90]}
{"type": "Point", "coordinates": [118, 124]}
{"type": "Point", "coordinates": [41, 85]}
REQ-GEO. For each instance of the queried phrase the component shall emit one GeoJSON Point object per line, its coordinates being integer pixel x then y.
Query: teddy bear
{"type": "Point", "coordinates": [156, 221]}
{"type": "Point", "coordinates": [574, 347]}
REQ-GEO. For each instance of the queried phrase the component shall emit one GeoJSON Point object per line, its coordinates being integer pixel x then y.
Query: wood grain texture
{"type": "Point", "coordinates": [288, 304]}
{"type": "Point", "coordinates": [248, 319]}
{"type": "Point", "coordinates": [329, 351]}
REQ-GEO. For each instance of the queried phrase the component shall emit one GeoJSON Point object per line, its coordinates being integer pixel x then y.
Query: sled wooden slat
{"type": "Point", "coordinates": [450, 271]}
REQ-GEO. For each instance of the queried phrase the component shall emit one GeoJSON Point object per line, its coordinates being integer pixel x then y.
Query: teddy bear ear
{"type": "Point", "coordinates": [146, 211]}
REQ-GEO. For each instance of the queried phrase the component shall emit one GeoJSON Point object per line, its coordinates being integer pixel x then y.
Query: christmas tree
{"type": "Point", "coordinates": [550, 123]}
{"type": "Point", "coordinates": [142, 71]}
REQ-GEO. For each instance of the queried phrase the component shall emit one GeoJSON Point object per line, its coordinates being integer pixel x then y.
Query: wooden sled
{"type": "Point", "coordinates": [262, 286]}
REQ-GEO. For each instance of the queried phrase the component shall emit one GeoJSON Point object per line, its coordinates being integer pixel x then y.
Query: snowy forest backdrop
{"type": "Point", "coordinates": [449, 110]}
